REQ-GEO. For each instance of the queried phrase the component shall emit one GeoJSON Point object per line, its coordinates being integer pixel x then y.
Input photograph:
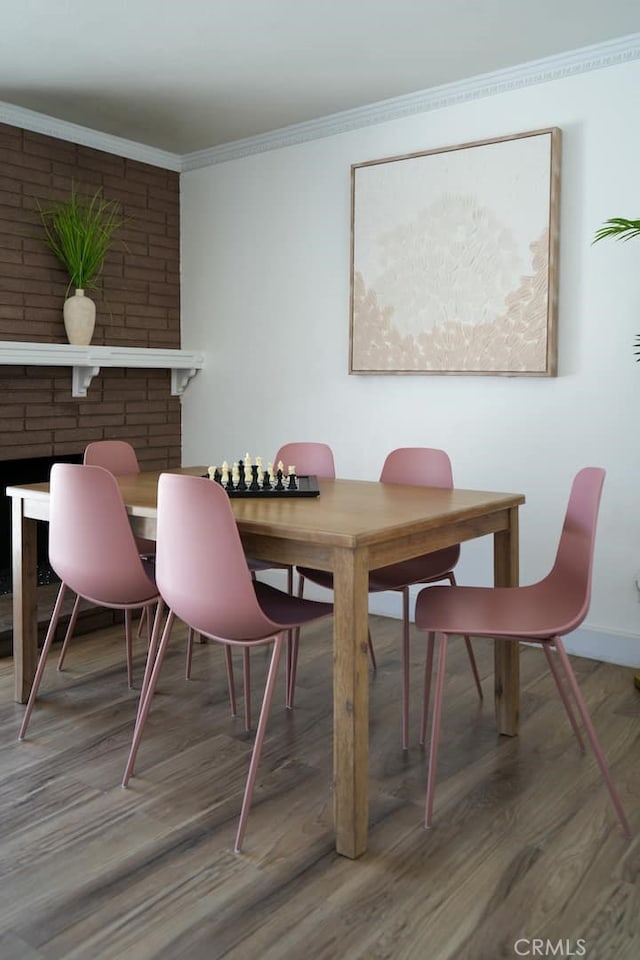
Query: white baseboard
{"type": "Point", "coordinates": [620, 648]}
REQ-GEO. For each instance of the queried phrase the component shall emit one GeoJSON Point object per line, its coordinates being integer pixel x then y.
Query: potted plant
{"type": "Point", "coordinates": [620, 228]}
{"type": "Point", "coordinates": [80, 231]}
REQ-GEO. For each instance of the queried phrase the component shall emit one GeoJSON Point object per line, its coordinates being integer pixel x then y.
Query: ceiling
{"type": "Point", "coordinates": [190, 75]}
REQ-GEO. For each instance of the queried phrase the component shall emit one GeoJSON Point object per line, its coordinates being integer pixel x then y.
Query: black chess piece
{"type": "Point", "coordinates": [242, 483]}
{"type": "Point", "coordinates": [255, 478]}
{"type": "Point", "coordinates": [217, 475]}
{"type": "Point", "coordinates": [279, 484]}
{"type": "Point", "coordinates": [292, 485]}
{"type": "Point", "coordinates": [266, 481]}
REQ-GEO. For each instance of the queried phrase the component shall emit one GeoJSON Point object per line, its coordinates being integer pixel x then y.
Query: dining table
{"type": "Point", "coordinates": [350, 528]}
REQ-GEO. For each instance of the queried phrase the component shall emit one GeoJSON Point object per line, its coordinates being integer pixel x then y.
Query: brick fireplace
{"type": "Point", "coordinates": [139, 305]}
{"type": "Point", "coordinates": [27, 470]}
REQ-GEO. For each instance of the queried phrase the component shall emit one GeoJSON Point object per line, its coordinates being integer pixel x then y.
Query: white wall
{"type": "Point", "coordinates": [266, 293]}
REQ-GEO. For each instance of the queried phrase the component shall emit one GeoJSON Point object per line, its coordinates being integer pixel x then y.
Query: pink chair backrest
{"type": "Point", "coordinates": [117, 456]}
{"type": "Point", "coordinates": [419, 466]}
{"type": "Point", "coordinates": [308, 458]}
{"type": "Point", "coordinates": [423, 467]}
{"type": "Point", "coordinates": [201, 568]}
{"type": "Point", "coordinates": [567, 588]}
{"type": "Point", "coordinates": [91, 545]}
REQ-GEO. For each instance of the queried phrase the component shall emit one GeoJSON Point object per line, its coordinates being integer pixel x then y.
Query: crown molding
{"type": "Point", "coordinates": [73, 132]}
{"type": "Point", "coordinates": [560, 66]}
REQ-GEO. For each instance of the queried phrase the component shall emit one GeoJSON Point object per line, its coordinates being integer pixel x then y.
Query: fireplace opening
{"type": "Point", "coordinates": [14, 473]}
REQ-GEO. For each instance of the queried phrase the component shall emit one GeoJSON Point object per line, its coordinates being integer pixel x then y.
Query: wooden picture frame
{"type": "Point", "coordinates": [454, 259]}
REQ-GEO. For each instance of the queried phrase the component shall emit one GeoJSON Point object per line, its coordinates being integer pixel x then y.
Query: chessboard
{"type": "Point", "coordinates": [247, 478]}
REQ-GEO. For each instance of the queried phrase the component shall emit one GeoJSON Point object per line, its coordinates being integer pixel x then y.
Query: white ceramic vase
{"type": "Point", "coordinates": [79, 318]}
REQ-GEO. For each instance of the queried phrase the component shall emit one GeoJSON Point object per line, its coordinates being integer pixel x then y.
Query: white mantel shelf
{"type": "Point", "coordinates": [87, 361]}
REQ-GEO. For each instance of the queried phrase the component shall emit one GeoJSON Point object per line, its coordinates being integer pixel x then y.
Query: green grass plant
{"type": "Point", "coordinates": [80, 231]}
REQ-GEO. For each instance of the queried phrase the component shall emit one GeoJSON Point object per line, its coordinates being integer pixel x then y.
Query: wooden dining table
{"type": "Point", "coordinates": [352, 527]}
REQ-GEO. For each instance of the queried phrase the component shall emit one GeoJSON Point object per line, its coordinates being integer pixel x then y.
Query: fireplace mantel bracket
{"type": "Point", "coordinates": [180, 377]}
{"type": "Point", "coordinates": [81, 378]}
{"type": "Point", "coordinates": [87, 361]}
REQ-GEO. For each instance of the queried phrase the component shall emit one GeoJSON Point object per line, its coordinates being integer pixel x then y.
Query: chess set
{"type": "Point", "coordinates": [249, 478]}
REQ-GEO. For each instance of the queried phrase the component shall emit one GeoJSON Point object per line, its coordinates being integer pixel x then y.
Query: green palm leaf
{"type": "Point", "coordinates": [618, 227]}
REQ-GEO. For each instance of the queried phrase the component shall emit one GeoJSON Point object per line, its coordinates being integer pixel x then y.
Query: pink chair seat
{"type": "Point", "coordinates": [397, 575]}
{"type": "Point", "coordinates": [542, 612]}
{"type": "Point", "coordinates": [536, 612]}
{"type": "Point", "coordinates": [322, 578]}
{"type": "Point", "coordinates": [286, 610]}
{"type": "Point", "coordinates": [430, 566]}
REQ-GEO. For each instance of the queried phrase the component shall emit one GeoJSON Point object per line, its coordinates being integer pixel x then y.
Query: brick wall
{"type": "Point", "coordinates": [139, 305]}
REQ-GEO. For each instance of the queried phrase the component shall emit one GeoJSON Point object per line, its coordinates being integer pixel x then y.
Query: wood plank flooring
{"type": "Point", "coordinates": [525, 843]}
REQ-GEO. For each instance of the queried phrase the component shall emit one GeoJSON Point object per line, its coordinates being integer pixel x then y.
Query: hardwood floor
{"type": "Point", "coordinates": [525, 843]}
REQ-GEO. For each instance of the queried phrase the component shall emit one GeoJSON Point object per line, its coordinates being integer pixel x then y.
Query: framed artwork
{"type": "Point", "coordinates": [454, 259]}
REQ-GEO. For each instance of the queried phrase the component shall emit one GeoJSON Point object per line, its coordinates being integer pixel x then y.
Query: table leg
{"type": "Point", "coordinates": [506, 652]}
{"type": "Point", "coordinates": [350, 704]}
{"type": "Point", "coordinates": [25, 602]}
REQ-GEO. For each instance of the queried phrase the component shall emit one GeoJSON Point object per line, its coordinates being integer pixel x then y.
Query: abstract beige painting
{"type": "Point", "coordinates": [454, 259]}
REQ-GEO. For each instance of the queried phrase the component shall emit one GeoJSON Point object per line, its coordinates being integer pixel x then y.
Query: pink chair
{"type": "Point", "coordinates": [308, 458]}
{"type": "Point", "coordinates": [203, 577]}
{"type": "Point", "coordinates": [540, 613]}
{"type": "Point", "coordinates": [426, 467]}
{"type": "Point", "coordinates": [93, 551]}
{"type": "Point", "coordinates": [119, 458]}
